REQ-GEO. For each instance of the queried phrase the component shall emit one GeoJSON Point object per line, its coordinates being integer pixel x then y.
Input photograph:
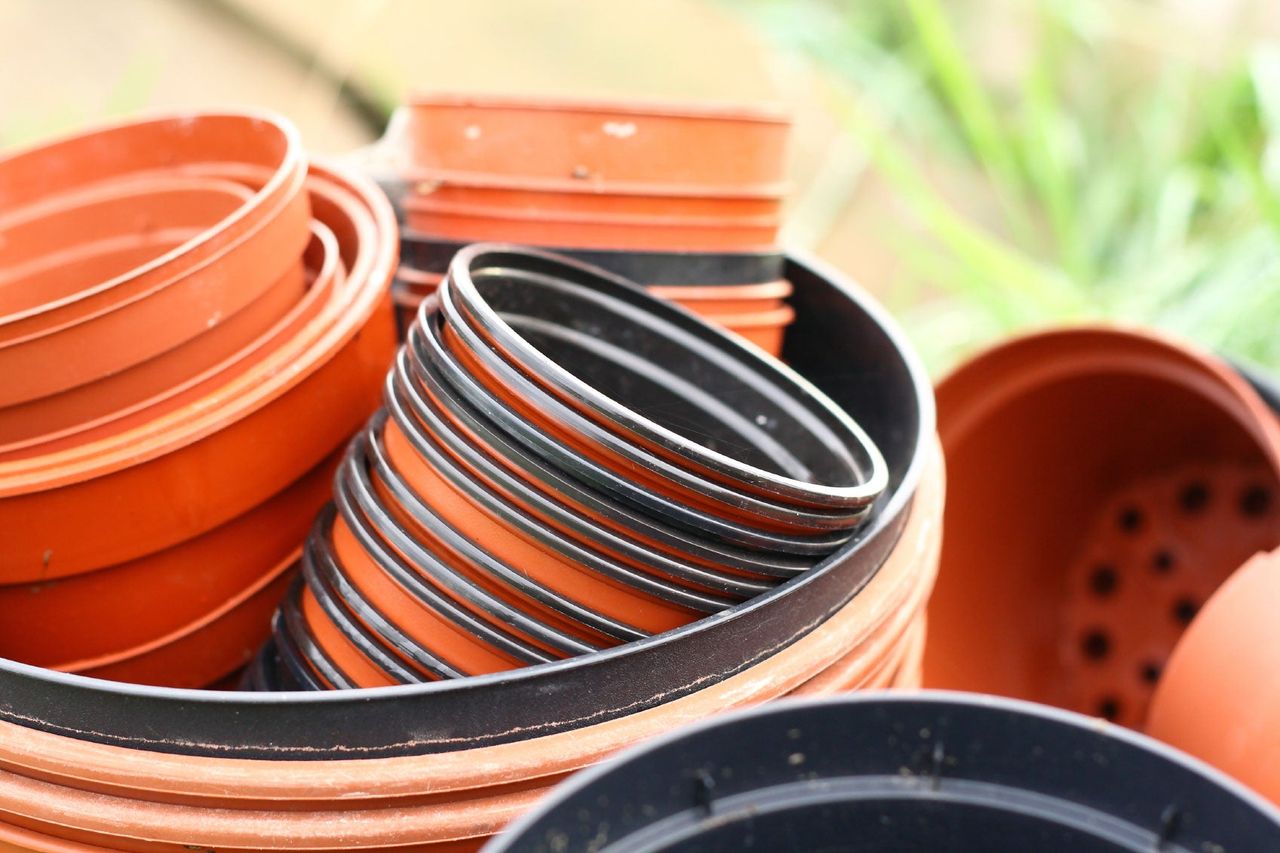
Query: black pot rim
{"type": "Point", "coordinates": [428, 254]}
{"type": "Point", "coordinates": [750, 561]}
{"type": "Point", "coordinates": [460, 294]}
{"type": "Point", "coordinates": [430, 346]}
{"type": "Point", "coordinates": [390, 721]}
{"type": "Point", "coordinates": [935, 748]}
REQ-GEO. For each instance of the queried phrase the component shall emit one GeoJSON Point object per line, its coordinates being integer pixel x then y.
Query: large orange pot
{"type": "Point", "coordinates": [1095, 481]}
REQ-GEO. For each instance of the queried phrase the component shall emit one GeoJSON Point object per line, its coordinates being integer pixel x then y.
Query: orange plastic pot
{"type": "Point", "coordinates": [163, 301]}
{"type": "Point", "coordinates": [198, 654]}
{"type": "Point", "coordinates": [742, 148]}
{"type": "Point", "coordinates": [104, 613]}
{"type": "Point", "coordinates": [610, 598]}
{"type": "Point", "coordinates": [573, 197]}
{"type": "Point", "coordinates": [659, 231]}
{"type": "Point", "coordinates": [34, 425]}
{"type": "Point", "coordinates": [164, 481]}
{"type": "Point", "coordinates": [766, 329]}
{"type": "Point", "coordinates": [56, 791]}
{"type": "Point", "coordinates": [1219, 698]}
{"type": "Point", "coordinates": [1099, 488]}
{"type": "Point", "coordinates": [125, 207]}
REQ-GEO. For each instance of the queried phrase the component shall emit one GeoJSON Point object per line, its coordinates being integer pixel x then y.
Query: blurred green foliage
{"type": "Point", "coordinates": [1125, 182]}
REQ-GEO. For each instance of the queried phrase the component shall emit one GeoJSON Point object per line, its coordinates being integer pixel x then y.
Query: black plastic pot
{"type": "Point", "coordinates": [842, 342]}
{"type": "Point", "coordinates": [650, 268]}
{"type": "Point", "coordinates": [926, 772]}
{"type": "Point", "coordinates": [656, 376]}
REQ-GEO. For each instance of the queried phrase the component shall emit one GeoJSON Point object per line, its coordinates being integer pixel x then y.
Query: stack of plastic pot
{"type": "Point", "coordinates": [88, 764]}
{"type": "Point", "coordinates": [684, 198]}
{"type": "Point", "coordinates": [193, 321]}
{"type": "Point", "coordinates": [931, 771]}
{"type": "Point", "coordinates": [1103, 483]}
{"type": "Point", "coordinates": [565, 463]}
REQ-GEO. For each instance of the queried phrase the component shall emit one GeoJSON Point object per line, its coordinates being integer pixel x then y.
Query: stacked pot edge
{"type": "Point", "coordinates": [686, 199]}
{"type": "Point", "coordinates": [193, 320]}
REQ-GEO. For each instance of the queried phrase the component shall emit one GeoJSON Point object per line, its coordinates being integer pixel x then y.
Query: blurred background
{"type": "Point", "coordinates": [984, 166]}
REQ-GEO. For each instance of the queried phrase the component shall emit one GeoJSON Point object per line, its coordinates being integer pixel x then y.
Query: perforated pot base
{"type": "Point", "coordinates": [1149, 559]}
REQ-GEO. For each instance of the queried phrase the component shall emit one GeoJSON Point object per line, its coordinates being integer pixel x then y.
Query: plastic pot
{"type": "Point", "coordinates": [534, 309]}
{"type": "Point", "coordinates": [163, 301]}
{"type": "Point", "coordinates": [1218, 699]}
{"type": "Point", "coordinates": [765, 329]}
{"type": "Point", "coordinates": [63, 513]}
{"type": "Point", "coordinates": [924, 772]}
{"type": "Point", "coordinates": [651, 268]}
{"type": "Point", "coordinates": [52, 623]}
{"type": "Point", "coordinates": [742, 148]}
{"type": "Point", "coordinates": [1103, 483]}
{"type": "Point", "coordinates": [711, 299]}
{"type": "Point", "coordinates": [844, 344]}
{"type": "Point", "coordinates": [649, 232]}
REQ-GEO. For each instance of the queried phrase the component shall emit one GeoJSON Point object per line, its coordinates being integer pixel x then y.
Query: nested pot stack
{"type": "Point", "coordinates": [686, 199]}
{"type": "Point", "coordinates": [445, 763]}
{"type": "Point", "coordinates": [193, 319]}
{"type": "Point", "coordinates": [564, 463]}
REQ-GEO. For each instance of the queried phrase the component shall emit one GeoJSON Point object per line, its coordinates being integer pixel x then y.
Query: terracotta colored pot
{"type": "Point", "coordinates": [54, 787]}
{"type": "Point", "coordinates": [765, 329]}
{"type": "Point", "coordinates": [573, 197]}
{"type": "Point", "coordinates": [166, 300]}
{"type": "Point", "coordinates": [52, 623]}
{"type": "Point", "coordinates": [616, 143]}
{"type": "Point", "coordinates": [197, 654]}
{"type": "Point", "coordinates": [472, 224]}
{"type": "Point", "coordinates": [117, 208]}
{"type": "Point", "coordinates": [63, 514]}
{"type": "Point", "coordinates": [711, 299]}
{"type": "Point", "coordinates": [1218, 698]}
{"type": "Point", "coordinates": [1096, 484]}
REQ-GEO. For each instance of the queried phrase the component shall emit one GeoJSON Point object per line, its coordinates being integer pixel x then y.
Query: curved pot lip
{"type": "Point", "coordinates": [705, 110]}
{"type": "Point", "coordinates": [318, 289]}
{"type": "Point", "coordinates": [779, 289]}
{"type": "Point", "coordinates": [875, 471]}
{"type": "Point", "coordinates": [71, 757]}
{"type": "Point", "coordinates": [998, 374]}
{"type": "Point", "coordinates": [422, 181]}
{"type": "Point", "coordinates": [292, 163]}
{"type": "Point", "coordinates": [891, 510]}
{"type": "Point", "coordinates": [194, 627]}
{"type": "Point", "coordinates": [949, 703]}
{"type": "Point", "coordinates": [772, 317]}
{"type": "Point", "coordinates": [288, 366]}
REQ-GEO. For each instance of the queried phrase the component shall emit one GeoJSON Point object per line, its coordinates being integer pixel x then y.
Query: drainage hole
{"type": "Point", "coordinates": [1194, 497]}
{"type": "Point", "coordinates": [1096, 645]}
{"type": "Point", "coordinates": [1103, 580]}
{"type": "Point", "coordinates": [1109, 708]}
{"type": "Point", "coordinates": [1255, 501]}
{"type": "Point", "coordinates": [1184, 610]}
{"type": "Point", "coordinates": [1162, 561]}
{"type": "Point", "coordinates": [1150, 671]}
{"type": "Point", "coordinates": [1130, 519]}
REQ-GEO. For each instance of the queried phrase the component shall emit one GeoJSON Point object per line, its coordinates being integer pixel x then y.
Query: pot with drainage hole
{"type": "Point", "coordinates": [1102, 484]}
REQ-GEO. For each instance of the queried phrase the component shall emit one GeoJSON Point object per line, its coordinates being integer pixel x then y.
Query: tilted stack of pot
{"type": "Point", "coordinates": [192, 322]}
{"type": "Point", "coordinates": [682, 198]}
